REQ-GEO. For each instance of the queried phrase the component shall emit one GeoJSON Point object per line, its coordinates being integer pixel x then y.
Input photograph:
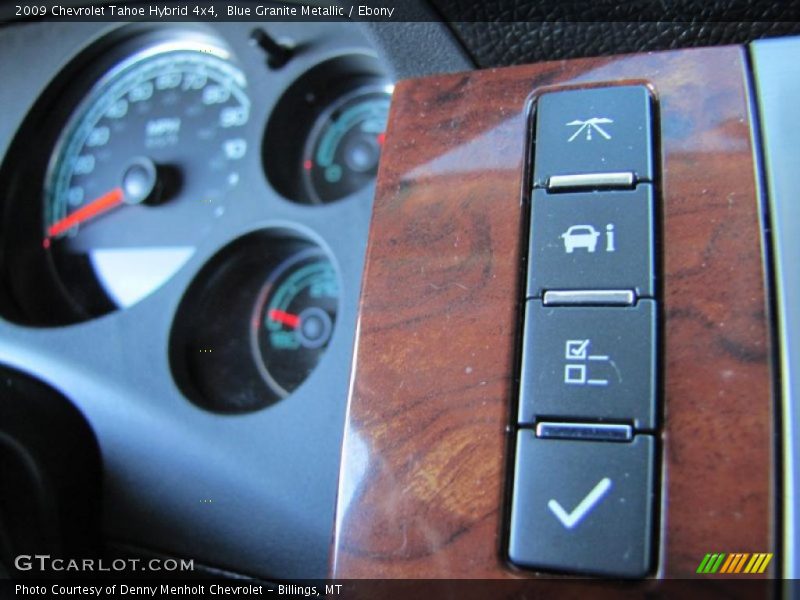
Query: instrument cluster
{"type": "Point", "coordinates": [192, 160]}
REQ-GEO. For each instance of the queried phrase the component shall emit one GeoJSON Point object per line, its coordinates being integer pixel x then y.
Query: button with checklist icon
{"type": "Point", "coordinates": [589, 363]}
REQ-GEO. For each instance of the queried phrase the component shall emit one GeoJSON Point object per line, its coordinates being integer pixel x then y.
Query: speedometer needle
{"type": "Point", "coordinates": [96, 207]}
{"type": "Point", "coordinates": [286, 318]}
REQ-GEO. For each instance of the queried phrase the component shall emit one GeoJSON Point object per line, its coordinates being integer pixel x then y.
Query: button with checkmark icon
{"type": "Point", "coordinates": [583, 507]}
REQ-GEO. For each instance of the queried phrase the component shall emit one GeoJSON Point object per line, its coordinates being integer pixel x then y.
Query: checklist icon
{"type": "Point", "coordinates": [576, 373]}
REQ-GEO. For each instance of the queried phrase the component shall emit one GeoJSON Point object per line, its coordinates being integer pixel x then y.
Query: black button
{"type": "Point", "coordinates": [597, 130]}
{"type": "Point", "coordinates": [582, 507]}
{"type": "Point", "coordinates": [589, 364]}
{"type": "Point", "coordinates": [592, 240]}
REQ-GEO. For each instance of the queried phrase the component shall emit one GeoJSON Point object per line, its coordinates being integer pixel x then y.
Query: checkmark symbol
{"type": "Point", "coordinates": [580, 350]}
{"type": "Point", "coordinates": [570, 520]}
{"type": "Point", "coordinates": [576, 349]}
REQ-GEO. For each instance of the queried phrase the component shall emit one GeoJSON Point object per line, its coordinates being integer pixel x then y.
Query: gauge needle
{"type": "Point", "coordinates": [96, 207]}
{"type": "Point", "coordinates": [286, 318]}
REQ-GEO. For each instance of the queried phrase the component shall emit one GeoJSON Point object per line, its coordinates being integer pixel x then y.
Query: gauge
{"type": "Point", "coordinates": [343, 150]}
{"type": "Point", "coordinates": [294, 318]}
{"type": "Point", "coordinates": [255, 321]}
{"type": "Point", "coordinates": [141, 171]}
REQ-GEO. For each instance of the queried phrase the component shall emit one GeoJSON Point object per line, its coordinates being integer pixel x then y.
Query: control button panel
{"type": "Point", "coordinates": [594, 131]}
{"type": "Point", "coordinates": [589, 363]}
{"type": "Point", "coordinates": [587, 417]}
{"type": "Point", "coordinates": [592, 240]}
{"type": "Point", "coordinates": [583, 507]}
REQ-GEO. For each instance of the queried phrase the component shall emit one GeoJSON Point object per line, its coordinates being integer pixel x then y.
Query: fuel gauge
{"type": "Point", "coordinates": [293, 319]}
{"type": "Point", "coordinates": [255, 322]}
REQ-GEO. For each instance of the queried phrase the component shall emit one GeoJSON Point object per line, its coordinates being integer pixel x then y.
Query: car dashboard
{"type": "Point", "coordinates": [336, 299]}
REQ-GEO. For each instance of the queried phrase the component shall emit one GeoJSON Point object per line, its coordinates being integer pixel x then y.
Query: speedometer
{"type": "Point", "coordinates": [142, 171]}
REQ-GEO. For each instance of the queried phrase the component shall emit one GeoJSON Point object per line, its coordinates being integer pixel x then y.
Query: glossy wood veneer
{"type": "Point", "coordinates": [425, 458]}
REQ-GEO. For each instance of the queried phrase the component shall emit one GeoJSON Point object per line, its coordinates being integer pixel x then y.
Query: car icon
{"type": "Point", "coordinates": [580, 236]}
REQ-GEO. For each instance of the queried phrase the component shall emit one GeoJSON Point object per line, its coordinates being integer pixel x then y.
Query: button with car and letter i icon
{"type": "Point", "coordinates": [592, 240]}
{"type": "Point", "coordinates": [589, 364]}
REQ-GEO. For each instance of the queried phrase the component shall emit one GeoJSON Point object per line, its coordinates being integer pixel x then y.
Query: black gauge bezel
{"type": "Point", "coordinates": [211, 352]}
{"type": "Point", "coordinates": [300, 109]}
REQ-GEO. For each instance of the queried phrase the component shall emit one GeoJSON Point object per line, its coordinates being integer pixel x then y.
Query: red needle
{"type": "Point", "coordinates": [286, 318]}
{"type": "Point", "coordinates": [96, 207]}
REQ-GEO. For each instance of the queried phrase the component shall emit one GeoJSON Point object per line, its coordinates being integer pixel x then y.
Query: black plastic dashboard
{"type": "Point", "coordinates": [204, 454]}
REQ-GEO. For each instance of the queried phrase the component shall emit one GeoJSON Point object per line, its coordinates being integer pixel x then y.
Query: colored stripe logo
{"type": "Point", "coordinates": [737, 562]}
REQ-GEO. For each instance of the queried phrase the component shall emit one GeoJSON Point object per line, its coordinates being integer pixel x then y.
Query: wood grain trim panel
{"type": "Point", "coordinates": [424, 465]}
